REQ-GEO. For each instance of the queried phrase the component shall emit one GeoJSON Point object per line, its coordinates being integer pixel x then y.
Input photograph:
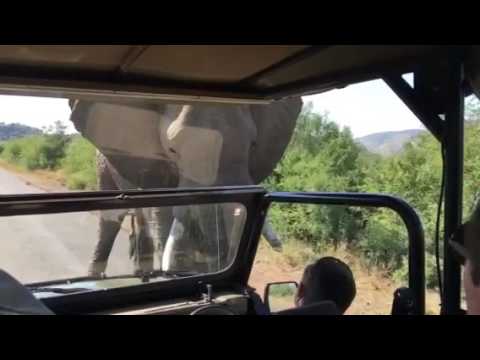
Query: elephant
{"type": "Point", "coordinates": [157, 145]}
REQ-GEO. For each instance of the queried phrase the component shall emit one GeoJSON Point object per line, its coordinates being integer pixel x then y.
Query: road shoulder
{"type": "Point", "coordinates": [47, 181]}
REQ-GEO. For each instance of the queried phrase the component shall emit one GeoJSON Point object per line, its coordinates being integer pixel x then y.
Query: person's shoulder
{"type": "Point", "coordinates": [258, 304]}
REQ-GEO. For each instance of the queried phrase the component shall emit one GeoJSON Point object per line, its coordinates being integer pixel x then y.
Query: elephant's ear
{"type": "Point", "coordinates": [472, 69]}
{"type": "Point", "coordinates": [275, 125]}
{"type": "Point", "coordinates": [81, 109]}
{"type": "Point", "coordinates": [79, 114]}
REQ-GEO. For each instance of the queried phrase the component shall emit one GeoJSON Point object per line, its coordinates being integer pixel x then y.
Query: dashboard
{"type": "Point", "coordinates": [235, 304]}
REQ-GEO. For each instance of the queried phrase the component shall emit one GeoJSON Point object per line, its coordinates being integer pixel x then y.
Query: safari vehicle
{"type": "Point", "coordinates": [260, 75]}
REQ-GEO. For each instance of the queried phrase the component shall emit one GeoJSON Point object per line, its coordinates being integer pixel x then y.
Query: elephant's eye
{"type": "Point", "coordinates": [172, 151]}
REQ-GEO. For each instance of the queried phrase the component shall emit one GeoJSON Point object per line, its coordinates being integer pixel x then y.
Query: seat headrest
{"type": "Point", "coordinates": [319, 308]}
{"type": "Point", "coordinates": [403, 302]}
{"type": "Point", "coordinates": [16, 299]}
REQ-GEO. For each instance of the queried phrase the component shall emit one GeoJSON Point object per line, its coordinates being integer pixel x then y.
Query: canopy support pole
{"type": "Point", "coordinates": [450, 133]}
{"type": "Point", "coordinates": [414, 102]}
{"type": "Point", "coordinates": [454, 146]}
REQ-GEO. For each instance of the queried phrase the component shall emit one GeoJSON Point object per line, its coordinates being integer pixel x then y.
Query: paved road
{"type": "Point", "coordinates": [47, 247]}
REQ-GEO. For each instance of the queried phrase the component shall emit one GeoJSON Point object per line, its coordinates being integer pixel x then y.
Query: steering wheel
{"type": "Point", "coordinates": [212, 310]}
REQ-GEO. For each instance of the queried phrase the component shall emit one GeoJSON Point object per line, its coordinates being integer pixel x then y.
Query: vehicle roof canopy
{"type": "Point", "coordinates": [200, 72]}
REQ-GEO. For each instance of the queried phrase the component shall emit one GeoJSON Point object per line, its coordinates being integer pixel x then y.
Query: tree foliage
{"type": "Point", "coordinates": [323, 157]}
{"type": "Point", "coordinates": [53, 149]}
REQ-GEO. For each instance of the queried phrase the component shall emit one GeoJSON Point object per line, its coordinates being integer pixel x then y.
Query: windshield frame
{"type": "Point", "coordinates": [51, 203]}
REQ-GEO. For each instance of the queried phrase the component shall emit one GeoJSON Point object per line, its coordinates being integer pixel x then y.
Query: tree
{"type": "Point", "coordinates": [472, 108]}
{"type": "Point", "coordinates": [320, 157]}
{"type": "Point", "coordinates": [59, 127]}
{"type": "Point", "coordinates": [323, 157]}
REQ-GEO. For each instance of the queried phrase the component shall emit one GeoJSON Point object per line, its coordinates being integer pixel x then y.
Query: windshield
{"type": "Point", "coordinates": [155, 243]}
{"type": "Point", "coordinates": [119, 144]}
{"type": "Point", "coordinates": [115, 144]}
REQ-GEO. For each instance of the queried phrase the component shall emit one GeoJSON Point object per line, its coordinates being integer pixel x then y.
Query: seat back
{"type": "Point", "coordinates": [403, 302]}
{"type": "Point", "coordinates": [16, 299]}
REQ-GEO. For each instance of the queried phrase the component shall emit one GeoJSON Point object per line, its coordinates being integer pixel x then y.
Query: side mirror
{"type": "Point", "coordinates": [280, 295]}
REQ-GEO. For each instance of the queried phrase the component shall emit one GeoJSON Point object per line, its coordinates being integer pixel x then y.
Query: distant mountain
{"type": "Point", "coordinates": [389, 142]}
{"type": "Point", "coordinates": [10, 131]}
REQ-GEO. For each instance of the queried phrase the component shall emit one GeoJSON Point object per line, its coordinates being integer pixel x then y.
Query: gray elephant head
{"type": "Point", "coordinates": [210, 144]}
{"type": "Point", "coordinates": [223, 145]}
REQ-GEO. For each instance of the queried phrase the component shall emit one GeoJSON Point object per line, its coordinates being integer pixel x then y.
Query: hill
{"type": "Point", "coordinates": [11, 131]}
{"type": "Point", "coordinates": [389, 142]}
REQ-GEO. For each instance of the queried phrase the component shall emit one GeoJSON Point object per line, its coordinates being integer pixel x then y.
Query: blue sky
{"type": "Point", "coordinates": [366, 108]}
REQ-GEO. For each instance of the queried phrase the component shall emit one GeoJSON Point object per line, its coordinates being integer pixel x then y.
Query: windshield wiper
{"type": "Point", "coordinates": [180, 273]}
{"type": "Point", "coordinates": [145, 277]}
{"type": "Point", "coordinates": [58, 290]}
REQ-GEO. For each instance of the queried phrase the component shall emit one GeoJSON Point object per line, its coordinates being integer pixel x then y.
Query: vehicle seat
{"type": "Point", "coordinates": [319, 308]}
{"type": "Point", "coordinates": [16, 299]}
{"type": "Point", "coordinates": [403, 302]}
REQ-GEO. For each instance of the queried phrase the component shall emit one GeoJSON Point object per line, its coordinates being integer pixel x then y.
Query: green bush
{"type": "Point", "coordinates": [320, 157]}
{"type": "Point", "coordinates": [79, 165]}
{"type": "Point", "coordinates": [431, 278]}
{"type": "Point", "coordinates": [400, 275]}
{"type": "Point", "coordinates": [12, 152]}
{"type": "Point", "coordinates": [36, 152]}
{"type": "Point", "coordinates": [74, 155]}
{"type": "Point", "coordinates": [282, 290]}
{"type": "Point", "coordinates": [384, 242]}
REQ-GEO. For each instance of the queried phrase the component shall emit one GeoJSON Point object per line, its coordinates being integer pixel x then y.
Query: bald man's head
{"type": "Point", "coordinates": [327, 279]}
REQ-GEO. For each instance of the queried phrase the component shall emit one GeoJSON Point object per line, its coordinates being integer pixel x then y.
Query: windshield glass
{"type": "Point", "coordinates": [118, 144]}
{"type": "Point", "coordinates": [114, 144]}
{"type": "Point", "coordinates": [156, 243]}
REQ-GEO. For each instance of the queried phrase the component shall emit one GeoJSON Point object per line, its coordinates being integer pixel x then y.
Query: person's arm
{"type": "Point", "coordinates": [258, 306]}
{"type": "Point", "coordinates": [472, 292]}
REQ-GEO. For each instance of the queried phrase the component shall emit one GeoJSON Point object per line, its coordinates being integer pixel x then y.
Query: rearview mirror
{"type": "Point", "coordinates": [280, 295]}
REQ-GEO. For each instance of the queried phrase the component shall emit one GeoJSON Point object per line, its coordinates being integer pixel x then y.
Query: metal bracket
{"type": "Point", "coordinates": [414, 102]}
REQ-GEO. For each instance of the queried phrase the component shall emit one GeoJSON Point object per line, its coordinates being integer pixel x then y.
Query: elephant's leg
{"type": "Point", "coordinates": [271, 236]}
{"type": "Point", "coordinates": [204, 238]}
{"type": "Point", "coordinates": [144, 249]}
{"type": "Point", "coordinates": [217, 230]}
{"type": "Point", "coordinates": [186, 248]}
{"type": "Point", "coordinates": [170, 256]}
{"type": "Point", "coordinates": [110, 221]}
{"type": "Point", "coordinates": [212, 236]}
{"type": "Point", "coordinates": [160, 223]}
{"type": "Point", "coordinates": [109, 227]}
{"type": "Point", "coordinates": [234, 217]}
